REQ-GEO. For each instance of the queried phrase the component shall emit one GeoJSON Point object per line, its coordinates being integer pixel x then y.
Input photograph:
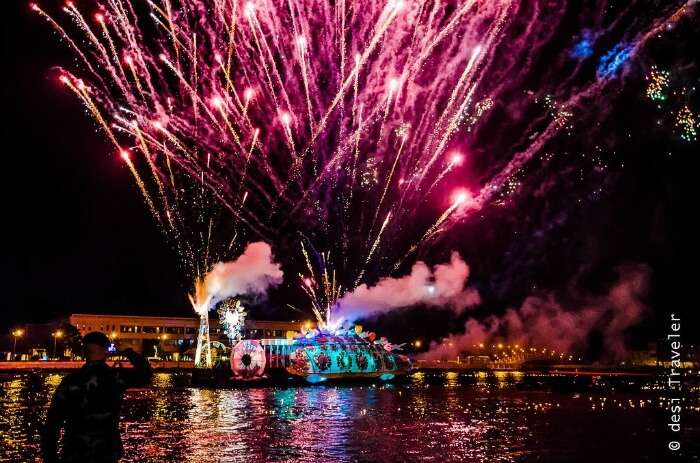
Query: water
{"type": "Point", "coordinates": [434, 418]}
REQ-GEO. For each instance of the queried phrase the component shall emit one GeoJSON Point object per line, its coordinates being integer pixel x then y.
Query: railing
{"type": "Point", "coordinates": [60, 365]}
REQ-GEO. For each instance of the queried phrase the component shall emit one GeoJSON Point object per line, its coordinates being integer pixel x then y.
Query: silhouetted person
{"type": "Point", "coordinates": [87, 405]}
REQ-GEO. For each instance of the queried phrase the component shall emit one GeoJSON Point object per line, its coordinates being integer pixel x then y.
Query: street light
{"type": "Point", "coordinates": [56, 334]}
{"type": "Point", "coordinates": [16, 334]}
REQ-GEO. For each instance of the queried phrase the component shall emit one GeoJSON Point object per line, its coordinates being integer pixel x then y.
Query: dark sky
{"type": "Point", "coordinates": [78, 237]}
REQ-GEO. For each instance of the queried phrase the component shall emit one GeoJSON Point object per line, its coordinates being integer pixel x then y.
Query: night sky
{"type": "Point", "coordinates": [78, 237]}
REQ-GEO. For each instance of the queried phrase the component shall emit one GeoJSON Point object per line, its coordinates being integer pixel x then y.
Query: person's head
{"type": "Point", "coordinates": [95, 345]}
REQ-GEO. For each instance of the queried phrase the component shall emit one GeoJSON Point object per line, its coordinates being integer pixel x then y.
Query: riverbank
{"type": "Point", "coordinates": [64, 365]}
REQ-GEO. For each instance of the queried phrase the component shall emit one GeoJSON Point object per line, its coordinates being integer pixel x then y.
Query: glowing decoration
{"type": "Point", "coordinates": [344, 356]}
{"type": "Point", "coordinates": [232, 317]}
{"type": "Point", "coordinates": [314, 379]}
{"type": "Point", "coordinates": [202, 356]}
{"type": "Point", "coordinates": [248, 359]}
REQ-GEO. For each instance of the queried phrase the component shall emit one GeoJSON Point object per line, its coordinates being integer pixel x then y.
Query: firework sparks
{"type": "Point", "coordinates": [687, 124]}
{"type": "Point", "coordinates": [322, 288]}
{"type": "Point", "coordinates": [658, 82]}
{"type": "Point", "coordinates": [258, 107]}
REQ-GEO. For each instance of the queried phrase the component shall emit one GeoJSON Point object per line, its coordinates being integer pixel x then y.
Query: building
{"type": "Point", "coordinates": [33, 341]}
{"type": "Point", "coordinates": [173, 338]}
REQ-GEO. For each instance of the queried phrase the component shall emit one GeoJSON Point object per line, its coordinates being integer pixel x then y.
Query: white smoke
{"type": "Point", "coordinates": [443, 286]}
{"type": "Point", "coordinates": [252, 273]}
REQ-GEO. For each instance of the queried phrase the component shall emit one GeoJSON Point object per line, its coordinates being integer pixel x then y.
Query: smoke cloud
{"type": "Point", "coordinates": [252, 273]}
{"type": "Point", "coordinates": [545, 321]}
{"type": "Point", "coordinates": [441, 286]}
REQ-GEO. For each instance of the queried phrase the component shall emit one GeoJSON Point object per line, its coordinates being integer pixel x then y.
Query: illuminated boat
{"type": "Point", "coordinates": [331, 351]}
{"type": "Point", "coordinates": [317, 357]}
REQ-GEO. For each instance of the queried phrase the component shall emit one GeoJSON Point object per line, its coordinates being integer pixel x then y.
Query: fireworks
{"type": "Point", "coordinates": [687, 124]}
{"type": "Point", "coordinates": [232, 315]}
{"type": "Point", "coordinates": [559, 113]}
{"type": "Point", "coordinates": [614, 60]}
{"type": "Point", "coordinates": [584, 47]}
{"type": "Point", "coordinates": [677, 117]}
{"type": "Point", "coordinates": [482, 106]}
{"type": "Point", "coordinates": [402, 130]}
{"type": "Point", "coordinates": [338, 120]}
{"type": "Point", "coordinates": [658, 82]}
{"type": "Point", "coordinates": [322, 288]}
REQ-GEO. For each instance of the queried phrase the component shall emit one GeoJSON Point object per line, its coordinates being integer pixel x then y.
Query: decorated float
{"type": "Point", "coordinates": [326, 352]}
{"type": "Point", "coordinates": [317, 355]}
{"type": "Point", "coordinates": [332, 350]}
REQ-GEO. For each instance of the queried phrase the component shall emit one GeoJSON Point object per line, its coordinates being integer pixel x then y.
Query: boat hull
{"type": "Point", "coordinates": [320, 359]}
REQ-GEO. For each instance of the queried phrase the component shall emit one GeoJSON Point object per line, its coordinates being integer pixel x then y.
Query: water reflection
{"type": "Point", "coordinates": [429, 417]}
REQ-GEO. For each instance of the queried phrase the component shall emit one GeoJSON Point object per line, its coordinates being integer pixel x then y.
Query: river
{"type": "Point", "coordinates": [438, 417]}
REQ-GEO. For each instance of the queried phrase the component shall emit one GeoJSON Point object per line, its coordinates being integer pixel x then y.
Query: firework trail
{"type": "Point", "coordinates": [324, 116]}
